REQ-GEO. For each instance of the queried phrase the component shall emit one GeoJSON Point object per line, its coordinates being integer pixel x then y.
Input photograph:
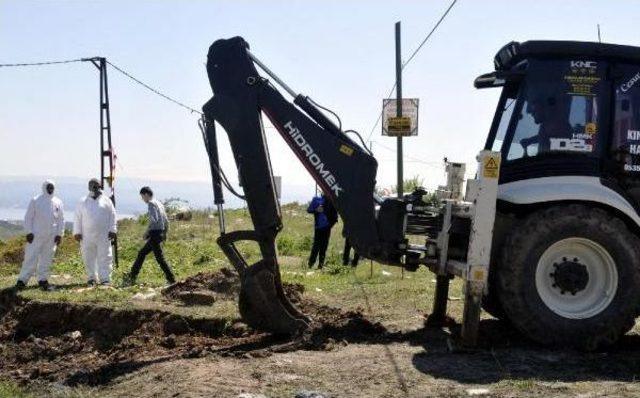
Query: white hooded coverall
{"type": "Point", "coordinates": [95, 218]}
{"type": "Point", "coordinates": [45, 220]}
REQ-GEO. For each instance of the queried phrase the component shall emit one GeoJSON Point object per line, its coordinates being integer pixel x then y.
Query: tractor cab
{"type": "Point", "coordinates": [568, 109]}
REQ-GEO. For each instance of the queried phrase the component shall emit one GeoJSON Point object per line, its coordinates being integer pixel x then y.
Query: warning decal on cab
{"type": "Point", "coordinates": [491, 167]}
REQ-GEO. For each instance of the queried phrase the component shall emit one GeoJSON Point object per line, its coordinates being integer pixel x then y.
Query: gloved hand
{"type": "Point", "coordinates": [77, 237]}
{"type": "Point", "coordinates": [163, 235]}
{"type": "Point", "coordinates": [30, 238]}
{"type": "Point", "coordinates": [145, 236]}
{"type": "Point", "coordinates": [112, 235]}
{"type": "Point", "coordinates": [57, 239]}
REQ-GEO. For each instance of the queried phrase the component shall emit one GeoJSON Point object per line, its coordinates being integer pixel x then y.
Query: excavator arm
{"type": "Point", "coordinates": [345, 172]}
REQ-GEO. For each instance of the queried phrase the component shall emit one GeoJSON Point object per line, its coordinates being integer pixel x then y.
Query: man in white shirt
{"type": "Point", "coordinates": [95, 227]}
{"type": "Point", "coordinates": [44, 223]}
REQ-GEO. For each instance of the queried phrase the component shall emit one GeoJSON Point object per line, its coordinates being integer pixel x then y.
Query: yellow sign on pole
{"type": "Point", "coordinates": [399, 125]}
{"type": "Point", "coordinates": [402, 126]}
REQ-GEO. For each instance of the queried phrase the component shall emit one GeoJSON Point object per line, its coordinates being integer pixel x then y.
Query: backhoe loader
{"type": "Point", "coordinates": [546, 236]}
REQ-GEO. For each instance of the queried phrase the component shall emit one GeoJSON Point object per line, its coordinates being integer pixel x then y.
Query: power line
{"type": "Point", "coordinates": [153, 90]}
{"type": "Point", "coordinates": [430, 33]}
{"type": "Point", "coordinates": [411, 58]}
{"type": "Point", "coordinates": [68, 61]}
{"type": "Point", "coordinates": [380, 114]}
{"type": "Point", "coordinates": [411, 158]}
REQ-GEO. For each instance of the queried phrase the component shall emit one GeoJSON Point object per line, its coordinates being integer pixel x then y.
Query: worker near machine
{"type": "Point", "coordinates": [95, 228]}
{"type": "Point", "coordinates": [44, 223]}
{"type": "Point", "coordinates": [325, 216]}
{"type": "Point", "coordinates": [552, 115]}
{"type": "Point", "coordinates": [347, 252]}
{"type": "Point", "coordinates": [156, 234]}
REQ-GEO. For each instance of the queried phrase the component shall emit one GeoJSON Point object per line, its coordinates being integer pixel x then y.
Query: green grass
{"type": "Point", "coordinates": [11, 390]}
{"type": "Point", "coordinates": [386, 292]}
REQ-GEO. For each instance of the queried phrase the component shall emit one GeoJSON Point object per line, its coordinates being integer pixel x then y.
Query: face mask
{"type": "Point", "coordinates": [50, 189]}
{"type": "Point", "coordinates": [94, 190]}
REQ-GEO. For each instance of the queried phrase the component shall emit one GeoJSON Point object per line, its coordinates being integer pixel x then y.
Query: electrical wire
{"type": "Point", "coordinates": [381, 113]}
{"type": "Point", "coordinates": [413, 159]}
{"type": "Point", "coordinates": [429, 35]}
{"type": "Point", "coordinates": [153, 90]}
{"type": "Point", "coordinates": [68, 61]}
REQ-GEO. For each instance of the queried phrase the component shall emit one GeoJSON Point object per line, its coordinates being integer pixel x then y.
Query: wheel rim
{"type": "Point", "coordinates": [560, 278]}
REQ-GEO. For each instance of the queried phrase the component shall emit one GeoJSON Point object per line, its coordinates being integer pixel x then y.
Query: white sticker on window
{"type": "Point", "coordinates": [567, 144]}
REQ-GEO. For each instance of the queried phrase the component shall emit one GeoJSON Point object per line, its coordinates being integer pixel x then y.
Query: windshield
{"type": "Point", "coordinates": [557, 109]}
{"type": "Point", "coordinates": [506, 111]}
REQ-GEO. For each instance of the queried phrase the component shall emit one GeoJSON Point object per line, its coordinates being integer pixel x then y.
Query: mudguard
{"type": "Point", "coordinates": [566, 188]}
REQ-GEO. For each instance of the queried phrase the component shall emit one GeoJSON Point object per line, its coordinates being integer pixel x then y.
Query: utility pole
{"type": "Point", "coordinates": [399, 107]}
{"type": "Point", "coordinates": [106, 149]}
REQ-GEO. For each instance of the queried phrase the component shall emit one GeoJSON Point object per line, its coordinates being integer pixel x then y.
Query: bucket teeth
{"type": "Point", "coordinates": [263, 304]}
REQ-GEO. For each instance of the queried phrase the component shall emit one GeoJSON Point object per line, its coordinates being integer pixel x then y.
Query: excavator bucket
{"type": "Point", "coordinates": [262, 303]}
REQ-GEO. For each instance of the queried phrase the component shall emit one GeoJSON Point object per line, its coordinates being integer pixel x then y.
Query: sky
{"type": "Point", "coordinates": [341, 53]}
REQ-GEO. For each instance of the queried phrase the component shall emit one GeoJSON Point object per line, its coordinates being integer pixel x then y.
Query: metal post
{"type": "Point", "coordinates": [480, 239]}
{"type": "Point", "coordinates": [399, 107]}
{"type": "Point", "coordinates": [106, 154]}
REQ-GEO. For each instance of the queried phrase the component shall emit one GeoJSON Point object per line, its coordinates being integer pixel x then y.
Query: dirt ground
{"type": "Point", "coordinates": [64, 348]}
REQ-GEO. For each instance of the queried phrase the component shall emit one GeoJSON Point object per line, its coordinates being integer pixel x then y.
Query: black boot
{"type": "Point", "coordinates": [44, 285]}
{"type": "Point", "coordinates": [20, 285]}
{"type": "Point", "coordinates": [128, 281]}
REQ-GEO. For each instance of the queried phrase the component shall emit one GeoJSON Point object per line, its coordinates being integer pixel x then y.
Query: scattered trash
{"type": "Point", "coordinates": [476, 392]}
{"type": "Point", "coordinates": [454, 298]}
{"type": "Point", "coordinates": [310, 273]}
{"type": "Point", "coordinates": [144, 296]}
{"type": "Point", "coordinates": [318, 289]}
{"type": "Point", "coordinates": [251, 395]}
{"type": "Point", "coordinates": [386, 273]}
{"type": "Point", "coordinates": [433, 281]}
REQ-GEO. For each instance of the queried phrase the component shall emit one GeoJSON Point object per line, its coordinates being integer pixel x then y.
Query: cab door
{"type": "Point", "coordinates": [625, 137]}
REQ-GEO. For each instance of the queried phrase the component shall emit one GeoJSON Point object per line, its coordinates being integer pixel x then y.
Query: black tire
{"type": "Point", "coordinates": [516, 276]}
{"type": "Point", "coordinates": [491, 301]}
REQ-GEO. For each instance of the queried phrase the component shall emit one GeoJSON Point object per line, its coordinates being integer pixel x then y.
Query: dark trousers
{"type": "Point", "coordinates": [320, 244]}
{"type": "Point", "coordinates": [347, 251]}
{"type": "Point", "coordinates": [153, 244]}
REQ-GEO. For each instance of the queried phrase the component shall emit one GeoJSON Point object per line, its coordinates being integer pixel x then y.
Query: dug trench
{"type": "Point", "coordinates": [82, 344]}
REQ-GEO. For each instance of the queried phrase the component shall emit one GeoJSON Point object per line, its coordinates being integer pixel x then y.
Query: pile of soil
{"type": "Point", "coordinates": [224, 283]}
{"type": "Point", "coordinates": [329, 324]}
{"type": "Point", "coordinates": [91, 345]}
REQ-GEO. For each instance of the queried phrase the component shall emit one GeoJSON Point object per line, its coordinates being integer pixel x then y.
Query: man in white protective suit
{"type": "Point", "coordinates": [95, 227]}
{"type": "Point", "coordinates": [44, 223]}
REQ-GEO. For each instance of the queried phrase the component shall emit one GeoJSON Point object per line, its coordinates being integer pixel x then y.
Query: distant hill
{"type": "Point", "coordinates": [9, 230]}
{"type": "Point", "coordinates": [15, 193]}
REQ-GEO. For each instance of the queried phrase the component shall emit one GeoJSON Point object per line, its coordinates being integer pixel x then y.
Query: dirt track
{"type": "Point", "coordinates": [154, 353]}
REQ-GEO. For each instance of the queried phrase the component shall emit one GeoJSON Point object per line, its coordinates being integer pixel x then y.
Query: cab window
{"type": "Point", "coordinates": [557, 109]}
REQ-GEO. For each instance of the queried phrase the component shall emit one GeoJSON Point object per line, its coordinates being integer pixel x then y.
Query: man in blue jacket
{"type": "Point", "coordinates": [325, 216]}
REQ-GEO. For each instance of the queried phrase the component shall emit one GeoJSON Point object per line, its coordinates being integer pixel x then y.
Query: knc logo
{"type": "Point", "coordinates": [584, 64]}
